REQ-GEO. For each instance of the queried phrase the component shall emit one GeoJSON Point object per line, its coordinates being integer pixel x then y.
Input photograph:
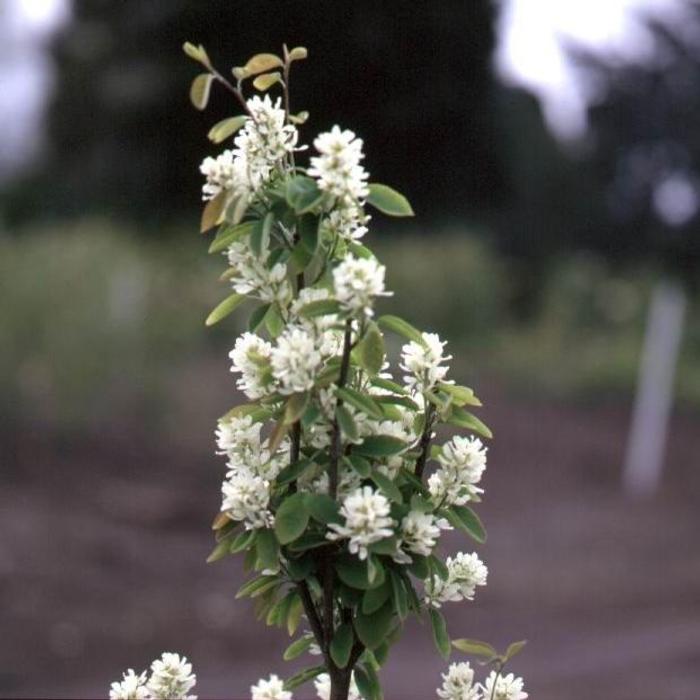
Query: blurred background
{"type": "Point", "coordinates": [551, 151]}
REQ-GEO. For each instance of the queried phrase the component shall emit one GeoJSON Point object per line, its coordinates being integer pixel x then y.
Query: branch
{"type": "Point", "coordinates": [335, 437]}
{"type": "Point", "coordinates": [424, 443]}
{"type": "Point", "coordinates": [312, 616]}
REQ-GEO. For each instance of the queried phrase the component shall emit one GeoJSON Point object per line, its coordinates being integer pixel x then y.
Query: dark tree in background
{"type": "Point", "coordinates": [123, 136]}
{"type": "Point", "coordinates": [646, 150]}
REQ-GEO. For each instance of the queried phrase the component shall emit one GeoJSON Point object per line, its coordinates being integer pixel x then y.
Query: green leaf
{"type": "Point", "coordinates": [260, 235]}
{"type": "Point", "coordinates": [380, 446]}
{"type": "Point", "coordinates": [419, 566]}
{"type": "Point", "coordinates": [469, 522]}
{"type": "Point", "coordinates": [293, 471]}
{"type": "Point", "coordinates": [372, 629]}
{"type": "Point", "coordinates": [242, 541]}
{"type": "Point", "coordinates": [267, 80]}
{"type": "Point", "coordinates": [227, 306]}
{"type": "Point", "coordinates": [388, 200]}
{"type": "Point", "coordinates": [374, 598]}
{"type": "Point", "coordinates": [219, 552]}
{"type": "Point", "coordinates": [297, 648]}
{"type": "Point", "coordinates": [267, 549]}
{"type": "Point", "coordinates": [320, 307]}
{"type": "Point", "coordinates": [359, 464]}
{"type": "Point", "coordinates": [461, 395]}
{"type": "Point", "coordinates": [294, 614]}
{"type": "Point", "coordinates": [354, 573]}
{"type": "Point", "coordinates": [274, 321]}
{"type": "Point", "coordinates": [368, 682]}
{"type": "Point", "coordinates": [257, 317]}
{"type": "Point", "coordinates": [514, 648]}
{"type": "Point", "coordinates": [440, 636]}
{"type": "Point", "coordinates": [474, 647]}
{"type": "Point", "coordinates": [197, 53]}
{"type": "Point", "coordinates": [295, 407]}
{"type": "Point", "coordinates": [230, 234]}
{"type": "Point", "coordinates": [388, 385]}
{"type": "Point", "coordinates": [341, 645]}
{"type": "Point", "coordinates": [298, 53]}
{"type": "Point", "coordinates": [361, 402]}
{"type": "Point", "coordinates": [302, 194]}
{"type": "Point", "coordinates": [213, 212]}
{"type": "Point", "coordinates": [257, 586]}
{"type": "Point", "coordinates": [303, 677]}
{"type": "Point", "coordinates": [398, 593]}
{"type": "Point", "coordinates": [463, 419]}
{"type": "Point", "coordinates": [200, 90]}
{"type": "Point", "coordinates": [398, 325]}
{"type": "Point", "coordinates": [291, 518]}
{"type": "Point", "coordinates": [370, 351]}
{"type": "Point", "coordinates": [387, 486]}
{"type": "Point", "coordinates": [226, 128]}
{"type": "Point", "coordinates": [308, 232]}
{"type": "Point", "coordinates": [300, 568]}
{"type": "Point", "coordinates": [322, 508]}
{"type": "Point", "coordinates": [346, 422]}
{"type": "Point", "coordinates": [262, 62]}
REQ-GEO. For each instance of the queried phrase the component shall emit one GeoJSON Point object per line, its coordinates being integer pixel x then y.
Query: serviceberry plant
{"type": "Point", "coordinates": [335, 492]}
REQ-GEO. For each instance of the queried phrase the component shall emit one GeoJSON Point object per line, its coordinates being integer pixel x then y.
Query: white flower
{"type": "Point", "coordinates": [423, 362]}
{"type": "Point", "coordinates": [338, 168]}
{"type": "Point", "coordinates": [347, 222]}
{"type": "Point", "coordinates": [225, 172]}
{"type": "Point", "coordinates": [171, 678]}
{"type": "Point", "coordinates": [357, 281]}
{"type": "Point", "coordinates": [506, 687]}
{"type": "Point", "coordinates": [265, 139]}
{"type": "Point", "coordinates": [251, 358]}
{"type": "Point", "coordinates": [238, 435]}
{"type": "Point", "coordinates": [131, 687]}
{"type": "Point", "coordinates": [420, 532]}
{"type": "Point", "coordinates": [323, 687]}
{"type": "Point", "coordinates": [295, 361]}
{"type": "Point", "coordinates": [458, 683]}
{"type": "Point", "coordinates": [246, 497]}
{"type": "Point", "coordinates": [253, 278]}
{"type": "Point", "coordinates": [367, 520]}
{"type": "Point", "coordinates": [465, 573]}
{"type": "Point", "coordinates": [463, 461]}
{"type": "Point", "coordinates": [270, 689]}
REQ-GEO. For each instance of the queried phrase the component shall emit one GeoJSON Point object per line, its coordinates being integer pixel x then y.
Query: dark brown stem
{"type": "Point", "coordinates": [424, 443]}
{"type": "Point", "coordinates": [238, 94]}
{"type": "Point", "coordinates": [328, 581]}
{"type": "Point", "coordinates": [313, 617]}
{"type": "Point", "coordinates": [335, 437]}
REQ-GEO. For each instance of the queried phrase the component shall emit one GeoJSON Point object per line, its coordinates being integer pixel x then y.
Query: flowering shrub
{"type": "Point", "coordinates": [334, 491]}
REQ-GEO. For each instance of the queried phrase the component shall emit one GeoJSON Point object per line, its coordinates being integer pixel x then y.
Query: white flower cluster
{"type": "Point", "coordinates": [260, 146]}
{"type": "Point", "coordinates": [296, 360]}
{"type": "Point", "coordinates": [419, 534]}
{"type": "Point", "coordinates": [465, 573]}
{"type": "Point", "coordinates": [270, 689]}
{"type": "Point", "coordinates": [349, 222]}
{"type": "Point", "coordinates": [338, 168]}
{"type": "Point", "coordinates": [323, 687]}
{"type": "Point", "coordinates": [171, 679]}
{"type": "Point", "coordinates": [458, 683]}
{"type": "Point", "coordinates": [357, 281]}
{"type": "Point", "coordinates": [252, 277]}
{"type": "Point", "coordinates": [424, 362]}
{"type": "Point", "coordinates": [250, 358]}
{"type": "Point", "coordinates": [367, 520]}
{"type": "Point", "coordinates": [462, 464]}
{"type": "Point", "coordinates": [504, 687]}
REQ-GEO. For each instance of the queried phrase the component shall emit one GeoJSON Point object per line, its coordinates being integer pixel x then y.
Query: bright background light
{"type": "Point", "coordinates": [531, 50]}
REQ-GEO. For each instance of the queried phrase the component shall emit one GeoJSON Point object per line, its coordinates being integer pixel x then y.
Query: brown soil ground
{"type": "Point", "coordinates": [103, 540]}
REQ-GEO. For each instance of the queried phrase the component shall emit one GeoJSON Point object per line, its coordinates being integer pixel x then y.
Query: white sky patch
{"type": "Point", "coordinates": [531, 50]}
{"type": "Point", "coordinates": [25, 75]}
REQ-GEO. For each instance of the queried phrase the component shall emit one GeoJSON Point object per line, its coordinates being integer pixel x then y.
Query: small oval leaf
{"type": "Point", "coordinates": [388, 200]}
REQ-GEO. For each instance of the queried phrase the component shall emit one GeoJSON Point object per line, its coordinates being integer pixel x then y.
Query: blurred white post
{"type": "Point", "coordinates": [654, 400]}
